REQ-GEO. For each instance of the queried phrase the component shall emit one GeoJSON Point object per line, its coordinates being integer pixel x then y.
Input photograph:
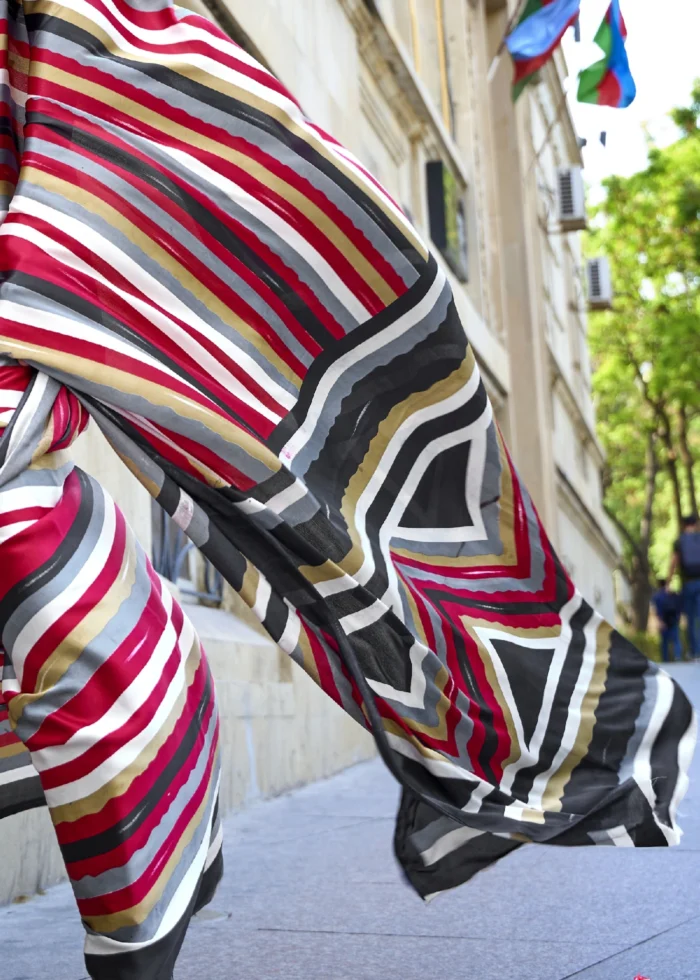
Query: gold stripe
{"type": "Point", "coordinates": [72, 647]}
{"type": "Point", "coordinates": [386, 432]}
{"type": "Point", "coordinates": [321, 573]}
{"type": "Point", "coordinates": [553, 794]}
{"type": "Point", "coordinates": [120, 783]}
{"type": "Point", "coordinates": [130, 384]}
{"type": "Point", "coordinates": [138, 913]}
{"type": "Point", "coordinates": [9, 751]}
{"type": "Point", "coordinates": [185, 134]}
{"type": "Point", "coordinates": [249, 587]}
{"type": "Point", "coordinates": [97, 206]}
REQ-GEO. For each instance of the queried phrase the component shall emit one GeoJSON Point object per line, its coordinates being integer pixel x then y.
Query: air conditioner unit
{"type": "Point", "coordinates": [599, 286]}
{"type": "Point", "coordinates": [571, 199]}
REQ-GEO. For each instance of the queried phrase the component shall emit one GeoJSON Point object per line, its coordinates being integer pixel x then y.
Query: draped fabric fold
{"type": "Point", "coordinates": [270, 347]}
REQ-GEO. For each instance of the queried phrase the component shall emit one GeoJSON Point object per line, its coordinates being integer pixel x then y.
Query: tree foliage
{"type": "Point", "coordinates": [646, 351]}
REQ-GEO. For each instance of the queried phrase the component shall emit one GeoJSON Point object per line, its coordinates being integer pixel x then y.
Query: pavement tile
{"type": "Point", "coordinates": [673, 955]}
{"type": "Point", "coordinates": [317, 956]}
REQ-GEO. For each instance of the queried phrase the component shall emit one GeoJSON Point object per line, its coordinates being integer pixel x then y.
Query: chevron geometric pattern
{"type": "Point", "coordinates": [270, 347]}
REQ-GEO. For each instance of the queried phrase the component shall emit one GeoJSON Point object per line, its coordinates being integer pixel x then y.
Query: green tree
{"type": "Point", "coordinates": [646, 351]}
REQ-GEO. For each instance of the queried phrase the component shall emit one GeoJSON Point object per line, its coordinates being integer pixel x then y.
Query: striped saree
{"type": "Point", "coordinates": [272, 350]}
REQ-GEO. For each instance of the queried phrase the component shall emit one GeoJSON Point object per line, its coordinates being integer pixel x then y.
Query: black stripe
{"type": "Point", "coordinates": [365, 331]}
{"type": "Point", "coordinates": [52, 568]}
{"type": "Point", "coordinates": [120, 831]}
{"type": "Point", "coordinates": [291, 146]}
{"type": "Point", "coordinates": [193, 209]}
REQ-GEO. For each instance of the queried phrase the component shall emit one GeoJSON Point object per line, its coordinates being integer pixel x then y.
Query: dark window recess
{"type": "Point", "coordinates": [171, 551]}
{"type": "Point", "coordinates": [448, 217]}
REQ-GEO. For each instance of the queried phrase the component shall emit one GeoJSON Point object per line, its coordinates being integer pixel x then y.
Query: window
{"type": "Point", "coordinates": [177, 559]}
{"type": "Point", "coordinates": [447, 216]}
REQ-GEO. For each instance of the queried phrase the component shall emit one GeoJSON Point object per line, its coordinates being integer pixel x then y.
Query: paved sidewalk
{"type": "Point", "coordinates": [312, 893]}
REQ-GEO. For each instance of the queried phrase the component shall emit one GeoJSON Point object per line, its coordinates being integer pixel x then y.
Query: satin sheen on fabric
{"type": "Point", "coordinates": [272, 350]}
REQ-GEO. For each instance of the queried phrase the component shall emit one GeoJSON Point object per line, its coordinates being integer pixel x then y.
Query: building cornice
{"type": "Point", "coordinates": [386, 58]}
{"type": "Point", "coordinates": [578, 512]}
{"type": "Point", "coordinates": [560, 386]}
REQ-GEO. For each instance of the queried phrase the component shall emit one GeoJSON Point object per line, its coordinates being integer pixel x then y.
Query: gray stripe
{"type": "Point", "coordinates": [121, 877]}
{"type": "Point", "coordinates": [279, 148]}
{"type": "Point", "coordinates": [382, 356]}
{"type": "Point", "coordinates": [184, 236]}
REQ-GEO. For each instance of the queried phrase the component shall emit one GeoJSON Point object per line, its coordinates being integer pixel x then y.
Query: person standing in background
{"type": "Point", "coordinates": [667, 605]}
{"type": "Point", "coordinates": [686, 560]}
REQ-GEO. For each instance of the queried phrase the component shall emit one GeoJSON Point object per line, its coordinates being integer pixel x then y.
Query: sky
{"type": "Point", "coordinates": [663, 45]}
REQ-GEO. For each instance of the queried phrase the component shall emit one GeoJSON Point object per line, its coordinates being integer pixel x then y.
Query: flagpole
{"type": "Point", "coordinates": [496, 60]}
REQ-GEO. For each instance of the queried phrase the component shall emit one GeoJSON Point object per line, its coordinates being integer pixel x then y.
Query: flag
{"type": "Point", "coordinates": [536, 35]}
{"type": "Point", "coordinates": [609, 81]}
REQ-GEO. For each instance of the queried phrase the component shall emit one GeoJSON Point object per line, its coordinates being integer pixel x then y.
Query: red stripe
{"type": "Point", "coordinates": [81, 101]}
{"type": "Point", "coordinates": [24, 514]}
{"type": "Point", "coordinates": [115, 674]}
{"type": "Point", "coordinates": [57, 632]}
{"type": "Point", "coordinates": [201, 272]}
{"type": "Point", "coordinates": [166, 343]}
{"type": "Point", "coordinates": [119, 807]}
{"type": "Point", "coordinates": [132, 894]}
{"type": "Point", "coordinates": [20, 562]}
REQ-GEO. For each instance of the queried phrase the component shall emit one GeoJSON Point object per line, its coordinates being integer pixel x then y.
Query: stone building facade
{"type": "Point", "coordinates": [405, 85]}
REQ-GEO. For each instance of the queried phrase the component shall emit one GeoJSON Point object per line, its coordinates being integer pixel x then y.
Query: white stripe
{"type": "Point", "coordinates": [9, 530]}
{"type": "Point", "coordinates": [21, 497]}
{"type": "Point", "coordinates": [531, 752]}
{"type": "Point", "coordinates": [250, 506]}
{"type": "Point", "coordinates": [45, 617]}
{"type": "Point", "coordinates": [405, 493]}
{"type": "Point", "coordinates": [283, 229]}
{"type": "Point", "coordinates": [415, 698]}
{"type": "Point", "coordinates": [129, 702]}
{"type": "Point", "coordinates": [363, 617]}
{"type": "Point", "coordinates": [15, 775]}
{"type": "Point", "coordinates": [451, 842]}
{"type": "Point", "coordinates": [27, 418]}
{"type": "Point", "coordinates": [352, 358]}
{"type": "Point", "coordinates": [104, 946]}
{"type": "Point", "coordinates": [285, 498]}
{"type": "Point", "coordinates": [262, 598]}
{"type": "Point", "coordinates": [180, 32]}
{"type": "Point", "coordinates": [686, 748]}
{"type": "Point", "coordinates": [10, 398]}
{"type": "Point", "coordinates": [619, 836]}
{"type": "Point", "coordinates": [332, 586]}
{"type": "Point", "coordinates": [214, 848]}
{"type": "Point", "coordinates": [574, 709]}
{"type": "Point", "coordinates": [641, 769]}
{"type": "Point", "coordinates": [486, 637]}
{"type": "Point", "coordinates": [184, 511]}
{"type": "Point", "coordinates": [65, 326]}
{"type": "Point", "coordinates": [290, 637]}
{"type": "Point", "coordinates": [151, 287]}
